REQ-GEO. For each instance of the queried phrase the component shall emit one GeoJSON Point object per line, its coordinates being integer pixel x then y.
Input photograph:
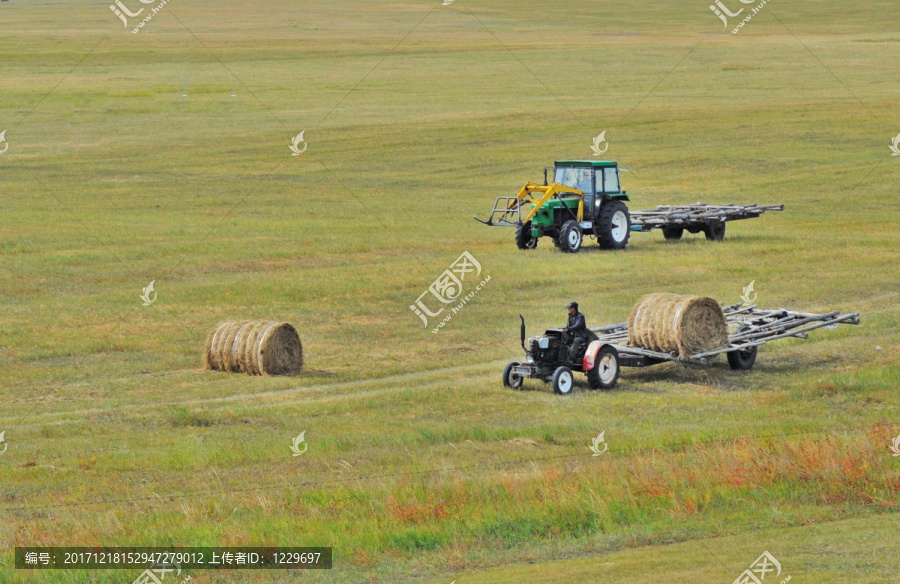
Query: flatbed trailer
{"type": "Point", "coordinates": [752, 328]}
{"type": "Point", "coordinates": [710, 219]}
{"type": "Point", "coordinates": [547, 359]}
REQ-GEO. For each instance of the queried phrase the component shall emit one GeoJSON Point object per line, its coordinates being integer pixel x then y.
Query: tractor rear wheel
{"type": "Point", "coordinates": [563, 380]}
{"type": "Point", "coordinates": [673, 233]}
{"type": "Point", "coordinates": [524, 239]}
{"type": "Point", "coordinates": [570, 237]}
{"type": "Point", "coordinates": [613, 225]}
{"type": "Point", "coordinates": [606, 369]}
{"type": "Point", "coordinates": [715, 230]}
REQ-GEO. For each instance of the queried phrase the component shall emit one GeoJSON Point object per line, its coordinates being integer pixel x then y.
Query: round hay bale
{"type": "Point", "coordinates": [254, 348]}
{"type": "Point", "coordinates": [670, 323]}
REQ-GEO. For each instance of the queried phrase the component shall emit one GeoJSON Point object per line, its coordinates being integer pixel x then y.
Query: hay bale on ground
{"type": "Point", "coordinates": [670, 323]}
{"type": "Point", "coordinates": [254, 348]}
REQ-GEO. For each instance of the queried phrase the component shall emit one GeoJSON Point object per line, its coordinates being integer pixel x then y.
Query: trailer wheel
{"type": "Point", "coordinates": [673, 233]}
{"type": "Point", "coordinates": [742, 360]}
{"type": "Point", "coordinates": [510, 379]}
{"type": "Point", "coordinates": [570, 237]}
{"type": "Point", "coordinates": [606, 369]}
{"type": "Point", "coordinates": [714, 230]}
{"type": "Point", "coordinates": [613, 225]}
{"type": "Point", "coordinates": [524, 239]}
{"type": "Point", "coordinates": [563, 380]}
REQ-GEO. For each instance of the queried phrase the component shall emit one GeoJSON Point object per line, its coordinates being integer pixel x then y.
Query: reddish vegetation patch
{"type": "Point", "coordinates": [419, 512]}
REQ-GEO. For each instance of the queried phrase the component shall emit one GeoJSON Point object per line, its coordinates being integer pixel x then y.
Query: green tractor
{"type": "Point", "coordinates": [583, 199]}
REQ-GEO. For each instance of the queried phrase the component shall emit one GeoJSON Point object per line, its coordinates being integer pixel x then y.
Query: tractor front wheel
{"type": "Point", "coordinates": [613, 226]}
{"type": "Point", "coordinates": [510, 379]}
{"type": "Point", "coordinates": [563, 380]}
{"type": "Point", "coordinates": [524, 239]}
{"type": "Point", "coordinates": [715, 230]}
{"type": "Point", "coordinates": [673, 233]}
{"type": "Point", "coordinates": [570, 237]}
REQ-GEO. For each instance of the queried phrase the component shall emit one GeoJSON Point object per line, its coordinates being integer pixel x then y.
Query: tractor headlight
{"type": "Point", "coordinates": [544, 343]}
{"type": "Point", "coordinates": [529, 359]}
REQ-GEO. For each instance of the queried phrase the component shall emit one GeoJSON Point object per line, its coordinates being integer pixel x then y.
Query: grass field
{"type": "Point", "coordinates": [163, 156]}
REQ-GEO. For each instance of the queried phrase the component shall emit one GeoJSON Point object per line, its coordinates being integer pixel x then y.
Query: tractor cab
{"type": "Point", "coordinates": [594, 178]}
{"type": "Point", "coordinates": [584, 199]}
{"type": "Point", "coordinates": [598, 180]}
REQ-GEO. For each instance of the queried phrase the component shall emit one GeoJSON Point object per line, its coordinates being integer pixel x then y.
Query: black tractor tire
{"type": "Point", "coordinates": [673, 233]}
{"type": "Point", "coordinates": [563, 380]}
{"type": "Point", "coordinates": [524, 239]}
{"type": "Point", "coordinates": [609, 225]}
{"type": "Point", "coordinates": [570, 237]}
{"type": "Point", "coordinates": [606, 369]}
{"type": "Point", "coordinates": [714, 230]}
{"type": "Point", "coordinates": [510, 379]}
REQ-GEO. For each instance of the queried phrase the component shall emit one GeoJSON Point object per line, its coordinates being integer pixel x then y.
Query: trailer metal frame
{"type": "Point", "coordinates": [753, 328]}
{"type": "Point", "coordinates": [698, 214]}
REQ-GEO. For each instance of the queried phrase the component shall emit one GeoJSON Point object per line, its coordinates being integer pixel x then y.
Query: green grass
{"type": "Point", "coordinates": [421, 467]}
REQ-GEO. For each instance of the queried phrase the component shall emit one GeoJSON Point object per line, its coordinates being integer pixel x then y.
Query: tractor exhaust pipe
{"type": "Point", "coordinates": [522, 333]}
{"type": "Point", "coordinates": [545, 184]}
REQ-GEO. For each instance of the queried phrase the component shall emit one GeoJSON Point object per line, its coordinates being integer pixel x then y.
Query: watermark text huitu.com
{"type": "Point", "coordinates": [448, 289]}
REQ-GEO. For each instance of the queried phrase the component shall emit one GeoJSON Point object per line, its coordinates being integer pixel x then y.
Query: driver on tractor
{"type": "Point", "coordinates": [576, 332]}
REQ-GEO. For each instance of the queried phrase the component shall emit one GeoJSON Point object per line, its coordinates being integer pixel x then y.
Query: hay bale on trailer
{"type": "Point", "coordinates": [670, 323]}
{"type": "Point", "coordinates": [254, 348]}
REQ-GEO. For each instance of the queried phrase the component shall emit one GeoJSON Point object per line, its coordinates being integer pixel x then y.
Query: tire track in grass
{"type": "Point", "coordinates": [393, 382]}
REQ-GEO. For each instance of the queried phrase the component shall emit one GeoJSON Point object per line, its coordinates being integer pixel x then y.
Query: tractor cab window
{"type": "Point", "coordinates": [610, 180]}
{"type": "Point", "coordinates": [577, 178]}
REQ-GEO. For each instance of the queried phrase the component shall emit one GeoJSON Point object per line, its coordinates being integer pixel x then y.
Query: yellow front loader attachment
{"type": "Point", "coordinates": [508, 208]}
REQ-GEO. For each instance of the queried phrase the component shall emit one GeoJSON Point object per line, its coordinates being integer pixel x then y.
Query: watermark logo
{"type": "Point", "coordinates": [298, 441]}
{"type": "Point", "coordinates": [156, 573]}
{"type": "Point", "coordinates": [598, 440]}
{"type": "Point", "coordinates": [758, 570]}
{"type": "Point", "coordinates": [448, 289]}
{"type": "Point", "coordinates": [895, 146]}
{"type": "Point", "coordinates": [749, 295]}
{"type": "Point", "coordinates": [723, 12]}
{"type": "Point", "coordinates": [122, 11]}
{"type": "Point", "coordinates": [3, 442]}
{"type": "Point", "coordinates": [600, 139]}
{"type": "Point", "coordinates": [295, 143]}
{"type": "Point", "coordinates": [895, 445]}
{"type": "Point", "coordinates": [148, 290]}
{"type": "Point", "coordinates": [6, 144]}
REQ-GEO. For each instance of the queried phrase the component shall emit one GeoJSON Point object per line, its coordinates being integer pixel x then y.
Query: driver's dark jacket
{"type": "Point", "coordinates": [577, 326]}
